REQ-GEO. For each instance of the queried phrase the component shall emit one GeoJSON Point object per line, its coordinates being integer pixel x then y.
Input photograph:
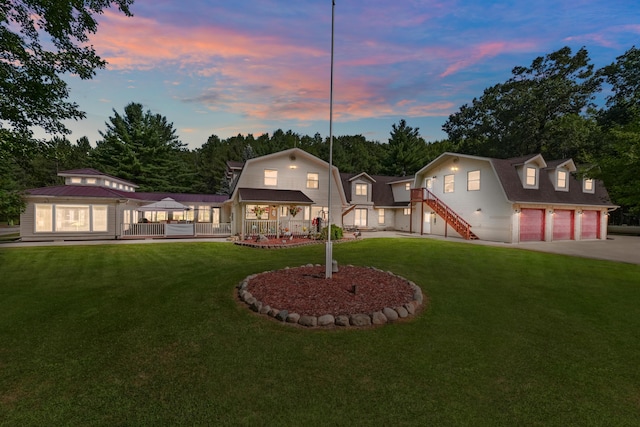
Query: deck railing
{"type": "Point", "coordinates": [155, 229]}
{"type": "Point", "coordinates": [151, 229]}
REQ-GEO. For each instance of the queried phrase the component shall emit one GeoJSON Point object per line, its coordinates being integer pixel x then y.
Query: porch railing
{"type": "Point", "coordinates": [213, 229]}
{"type": "Point", "coordinates": [273, 228]}
{"type": "Point", "coordinates": [267, 227]}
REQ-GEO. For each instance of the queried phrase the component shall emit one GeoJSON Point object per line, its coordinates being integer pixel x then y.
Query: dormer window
{"type": "Point", "coordinates": [361, 189]}
{"type": "Point", "coordinates": [588, 185]}
{"type": "Point", "coordinates": [561, 181]}
{"type": "Point", "coordinates": [531, 176]}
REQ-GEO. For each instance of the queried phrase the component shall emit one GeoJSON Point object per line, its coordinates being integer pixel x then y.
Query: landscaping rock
{"type": "Point", "coordinates": [308, 321]}
{"type": "Point", "coordinates": [402, 312]}
{"type": "Point", "coordinates": [378, 318]}
{"type": "Point", "coordinates": [282, 315]}
{"type": "Point", "coordinates": [342, 320]}
{"type": "Point", "coordinates": [273, 312]}
{"type": "Point", "coordinates": [256, 306]}
{"type": "Point", "coordinates": [262, 238]}
{"type": "Point", "coordinates": [391, 314]}
{"type": "Point", "coordinates": [327, 320]}
{"type": "Point", "coordinates": [410, 307]}
{"type": "Point", "coordinates": [250, 300]}
{"type": "Point", "coordinates": [293, 318]}
{"type": "Point", "coordinates": [265, 309]}
{"type": "Point", "coordinates": [360, 320]}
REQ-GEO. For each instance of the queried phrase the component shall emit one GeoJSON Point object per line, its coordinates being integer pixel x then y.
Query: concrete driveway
{"type": "Point", "coordinates": [615, 248]}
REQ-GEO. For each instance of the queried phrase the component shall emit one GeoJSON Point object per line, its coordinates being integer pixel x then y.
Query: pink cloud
{"type": "Point", "coordinates": [477, 53]}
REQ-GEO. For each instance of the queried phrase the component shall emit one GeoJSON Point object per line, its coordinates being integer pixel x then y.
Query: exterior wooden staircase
{"type": "Point", "coordinates": [462, 227]}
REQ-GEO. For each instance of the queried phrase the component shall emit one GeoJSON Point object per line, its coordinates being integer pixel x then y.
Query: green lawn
{"type": "Point", "coordinates": [151, 335]}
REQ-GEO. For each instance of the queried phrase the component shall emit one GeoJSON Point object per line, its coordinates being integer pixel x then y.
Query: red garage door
{"type": "Point", "coordinates": [563, 225]}
{"type": "Point", "coordinates": [531, 225]}
{"type": "Point", "coordinates": [590, 225]}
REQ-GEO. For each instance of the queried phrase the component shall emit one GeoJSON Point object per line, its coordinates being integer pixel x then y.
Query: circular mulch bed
{"type": "Point", "coordinates": [354, 296]}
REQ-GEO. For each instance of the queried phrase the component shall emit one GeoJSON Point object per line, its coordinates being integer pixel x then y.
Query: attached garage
{"type": "Point", "coordinates": [531, 225]}
{"type": "Point", "coordinates": [590, 225]}
{"type": "Point", "coordinates": [563, 224]}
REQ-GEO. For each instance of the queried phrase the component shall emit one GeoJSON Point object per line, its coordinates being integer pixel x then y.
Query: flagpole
{"type": "Point", "coordinates": [329, 244]}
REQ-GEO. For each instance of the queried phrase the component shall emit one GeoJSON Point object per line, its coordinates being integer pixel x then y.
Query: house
{"type": "Point", "coordinates": [287, 193]}
{"type": "Point", "coordinates": [376, 202]}
{"type": "Point", "coordinates": [284, 193]}
{"type": "Point", "coordinates": [92, 205]}
{"type": "Point", "coordinates": [508, 200]}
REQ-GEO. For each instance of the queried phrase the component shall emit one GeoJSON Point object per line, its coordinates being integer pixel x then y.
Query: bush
{"type": "Point", "coordinates": [336, 233]}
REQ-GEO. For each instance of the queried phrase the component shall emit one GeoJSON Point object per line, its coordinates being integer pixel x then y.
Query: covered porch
{"type": "Point", "coordinates": [169, 218]}
{"type": "Point", "coordinates": [276, 213]}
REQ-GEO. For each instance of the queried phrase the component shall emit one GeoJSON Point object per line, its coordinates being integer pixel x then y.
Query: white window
{"type": "Point", "coordinates": [562, 180]}
{"type": "Point", "coordinates": [307, 213]}
{"type": "Point", "coordinates": [428, 183]}
{"type": "Point", "coordinates": [204, 213]}
{"type": "Point", "coordinates": [587, 185]}
{"type": "Point", "coordinates": [72, 218]}
{"type": "Point", "coordinates": [107, 183]}
{"type": "Point", "coordinates": [99, 219]}
{"type": "Point", "coordinates": [75, 180]}
{"type": "Point", "coordinates": [407, 186]}
{"type": "Point", "coordinates": [531, 177]}
{"type": "Point", "coordinates": [319, 212]}
{"type": "Point", "coordinates": [270, 177]}
{"type": "Point", "coordinates": [361, 189]}
{"type": "Point", "coordinates": [380, 216]}
{"type": "Point", "coordinates": [44, 218]}
{"type": "Point", "coordinates": [312, 180]}
{"type": "Point", "coordinates": [91, 181]}
{"type": "Point", "coordinates": [473, 181]}
{"type": "Point", "coordinates": [407, 211]}
{"type": "Point", "coordinates": [449, 183]}
{"type": "Point", "coordinates": [361, 218]}
{"type": "Point", "coordinates": [257, 212]}
{"type": "Point", "coordinates": [66, 218]}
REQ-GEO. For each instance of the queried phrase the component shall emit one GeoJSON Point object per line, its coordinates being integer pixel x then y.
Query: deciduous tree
{"type": "Point", "coordinates": [40, 41]}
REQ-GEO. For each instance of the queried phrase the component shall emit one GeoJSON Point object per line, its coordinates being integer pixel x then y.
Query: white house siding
{"type": "Point", "coordinates": [292, 175]}
{"type": "Point", "coordinates": [486, 210]}
{"type": "Point", "coordinates": [400, 192]}
{"type": "Point", "coordinates": [27, 220]}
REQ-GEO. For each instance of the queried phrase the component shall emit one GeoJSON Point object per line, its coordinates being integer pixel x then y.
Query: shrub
{"type": "Point", "coordinates": [336, 233]}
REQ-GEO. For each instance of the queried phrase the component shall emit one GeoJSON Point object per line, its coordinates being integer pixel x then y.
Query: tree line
{"type": "Point", "coordinates": [547, 107]}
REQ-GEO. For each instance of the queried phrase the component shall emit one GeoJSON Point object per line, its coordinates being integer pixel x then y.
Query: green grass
{"type": "Point", "coordinates": [151, 335]}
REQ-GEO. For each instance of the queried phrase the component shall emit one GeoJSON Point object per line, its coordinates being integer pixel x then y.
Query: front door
{"type": "Point", "coordinates": [426, 223]}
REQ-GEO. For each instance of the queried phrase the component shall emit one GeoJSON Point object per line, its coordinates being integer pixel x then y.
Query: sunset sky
{"type": "Point", "coordinates": [252, 67]}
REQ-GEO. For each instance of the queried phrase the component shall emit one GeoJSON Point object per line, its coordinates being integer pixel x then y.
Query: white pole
{"type": "Point", "coordinates": [329, 244]}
